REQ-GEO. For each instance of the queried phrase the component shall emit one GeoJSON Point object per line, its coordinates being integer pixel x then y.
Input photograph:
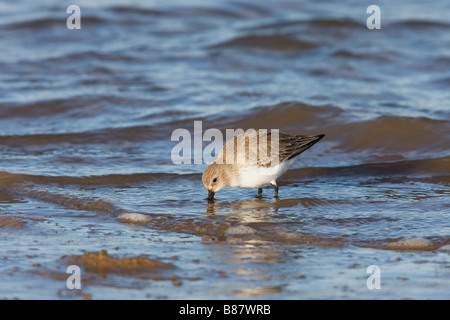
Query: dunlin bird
{"type": "Point", "coordinates": [255, 159]}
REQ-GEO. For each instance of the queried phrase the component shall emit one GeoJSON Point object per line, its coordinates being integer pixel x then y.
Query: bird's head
{"type": "Point", "coordinates": [214, 179]}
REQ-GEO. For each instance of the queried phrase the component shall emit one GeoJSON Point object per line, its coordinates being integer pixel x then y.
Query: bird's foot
{"type": "Point", "coordinates": [259, 195]}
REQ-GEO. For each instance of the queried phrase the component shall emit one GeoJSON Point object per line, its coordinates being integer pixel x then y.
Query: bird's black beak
{"type": "Point", "coordinates": [211, 195]}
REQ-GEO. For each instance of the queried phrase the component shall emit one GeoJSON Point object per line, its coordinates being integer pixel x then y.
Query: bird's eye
{"type": "Point", "coordinates": [214, 180]}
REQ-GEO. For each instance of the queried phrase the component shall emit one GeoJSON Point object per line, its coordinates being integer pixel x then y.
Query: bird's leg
{"type": "Point", "coordinates": [276, 190]}
{"type": "Point", "coordinates": [259, 193]}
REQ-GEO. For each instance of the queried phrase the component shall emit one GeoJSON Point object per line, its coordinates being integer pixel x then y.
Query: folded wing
{"type": "Point", "coordinates": [264, 148]}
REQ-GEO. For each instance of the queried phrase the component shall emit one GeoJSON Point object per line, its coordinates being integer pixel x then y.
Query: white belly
{"type": "Point", "coordinates": [258, 177]}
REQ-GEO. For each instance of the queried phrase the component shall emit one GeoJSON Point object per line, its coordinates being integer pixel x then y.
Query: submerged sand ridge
{"type": "Point", "coordinates": [102, 263]}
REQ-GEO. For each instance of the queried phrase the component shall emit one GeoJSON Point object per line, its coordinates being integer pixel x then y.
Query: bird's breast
{"type": "Point", "coordinates": [258, 177]}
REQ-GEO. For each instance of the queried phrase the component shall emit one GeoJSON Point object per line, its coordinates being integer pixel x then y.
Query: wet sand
{"type": "Point", "coordinates": [86, 176]}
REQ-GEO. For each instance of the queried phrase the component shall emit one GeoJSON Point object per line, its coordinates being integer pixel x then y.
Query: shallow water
{"type": "Point", "coordinates": [85, 137]}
